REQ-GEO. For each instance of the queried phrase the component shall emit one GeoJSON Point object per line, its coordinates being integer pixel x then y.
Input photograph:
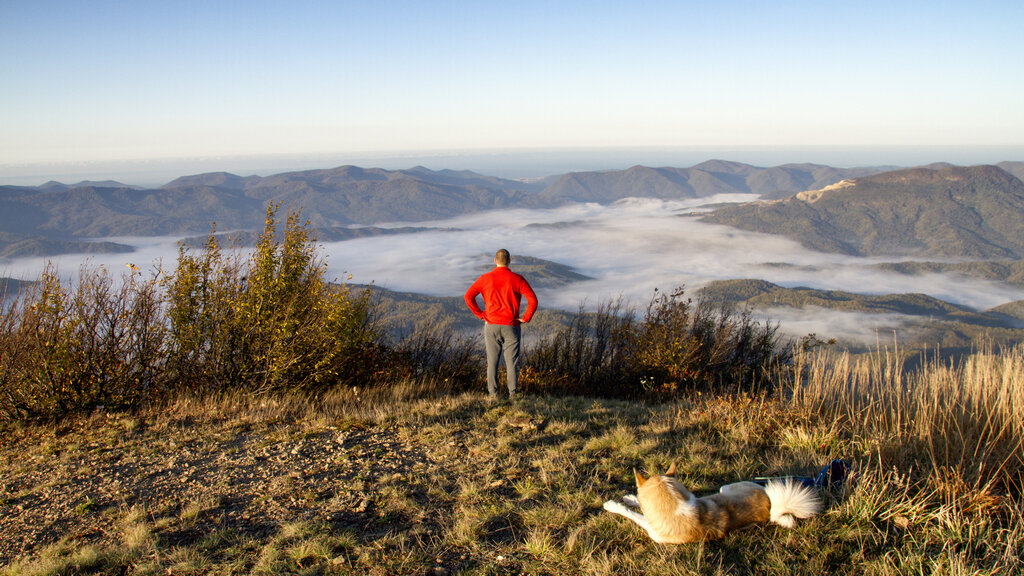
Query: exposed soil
{"type": "Point", "coordinates": [76, 482]}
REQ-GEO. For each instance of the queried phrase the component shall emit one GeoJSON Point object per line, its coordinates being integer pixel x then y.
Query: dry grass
{"type": "Point", "coordinates": [961, 425]}
{"type": "Point", "coordinates": [936, 489]}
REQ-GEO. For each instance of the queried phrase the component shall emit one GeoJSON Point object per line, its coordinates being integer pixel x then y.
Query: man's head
{"type": "Point", "coordinates": [502, 257]}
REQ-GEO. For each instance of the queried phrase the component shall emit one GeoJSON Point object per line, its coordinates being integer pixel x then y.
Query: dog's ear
{"type": "Point", "coordinates": [639, 478]}
{"type": "Point", "coordinates": [671, 470]}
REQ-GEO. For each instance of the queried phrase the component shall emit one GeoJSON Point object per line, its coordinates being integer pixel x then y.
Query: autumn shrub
{"type": "Point", "coordinates": [271, 323]}
{"type": "Point", "coordinates": [67, 347]}
{"type": "Point", "coordinates": [676, 344]}
{"type": "Point", "coordinates": [200, 295]}
{"type": "Point", "coordinates": [220, 321]}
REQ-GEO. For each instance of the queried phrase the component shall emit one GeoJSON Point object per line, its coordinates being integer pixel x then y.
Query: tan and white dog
{"type": "Point", "coordinates": [671, 514]}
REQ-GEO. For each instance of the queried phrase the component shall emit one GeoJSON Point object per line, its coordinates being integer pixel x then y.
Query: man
{"type": "Point", "coordinates": [502, 290]}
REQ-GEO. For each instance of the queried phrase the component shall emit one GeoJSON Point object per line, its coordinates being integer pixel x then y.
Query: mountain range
{"type": "Point", "coordinates": [700, 181]}
{"type": "Point", "coordinates": [932, 219]}
{"type": "Point", "coordinates": [968, 220]}
{"type": "Point", "coordinates": [56, 218]}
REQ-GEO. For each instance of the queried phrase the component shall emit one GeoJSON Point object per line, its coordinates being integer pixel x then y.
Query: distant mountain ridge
{"type": "Point", "coordinates": [764, 294]}
{"type": "Point", "coordinates": [55, 218]}
{"type": "Point", "coordinates": [949, 212]}
{"type": "Point", "coordinates": [54, 186]}
{"type": "Point", "coordinates": [703, 180]}
{"type": "Point", "coordinates": [44, 217]}
{"type": "Point", "coordinates": [249, 238]}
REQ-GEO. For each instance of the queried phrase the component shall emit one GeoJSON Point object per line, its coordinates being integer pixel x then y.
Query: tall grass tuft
{"type": "Point", "coordinates": [959, 426]}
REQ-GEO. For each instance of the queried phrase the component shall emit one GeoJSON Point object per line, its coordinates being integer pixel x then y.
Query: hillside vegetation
{"type": "Point", "coordinates": [1010, 272]}
{"type": "Point", "coordinates": [967, 213]}
{"type": "Point", "coordinates": [763, 293]}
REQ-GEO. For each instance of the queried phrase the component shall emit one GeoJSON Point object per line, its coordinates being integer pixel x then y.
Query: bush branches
{"type": "Point", "coordinates": [677, 344]}
{"type": "Point", "coordinates": [217, 322]}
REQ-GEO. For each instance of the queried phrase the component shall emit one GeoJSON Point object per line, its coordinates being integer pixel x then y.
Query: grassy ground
{"type": "Point", "coordinates": [458, 485]}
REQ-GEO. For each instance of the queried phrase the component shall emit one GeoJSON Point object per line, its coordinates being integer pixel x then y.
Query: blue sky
{"type": "Point", "coordinates": [133, 80]}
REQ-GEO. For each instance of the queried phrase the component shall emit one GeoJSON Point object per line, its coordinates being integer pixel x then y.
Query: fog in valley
{"type": "Point", "coordinates": [629, 248]}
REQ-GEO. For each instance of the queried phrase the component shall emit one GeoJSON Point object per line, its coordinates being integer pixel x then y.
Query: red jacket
{"type": "Point", "coordinates": [501, 289]}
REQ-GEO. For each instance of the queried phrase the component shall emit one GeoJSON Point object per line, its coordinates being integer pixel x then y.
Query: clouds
{"type": "Point", "coordinates": [149, 253]}
{"type": "Point", "coordinates": [629, 249]}
{"type": "Point", "coordinates": [863, 328]}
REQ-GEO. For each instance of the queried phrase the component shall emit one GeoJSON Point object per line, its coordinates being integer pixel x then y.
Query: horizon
{"type": "Point", "coordinates": [104, 82]}
{"type": "Point", "coordinates": [521, 164]}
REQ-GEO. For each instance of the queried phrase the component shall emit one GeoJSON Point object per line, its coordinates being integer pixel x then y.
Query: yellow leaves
{"type": "Point", "coordinates": [218, 320]}
{"type": "Point", "coordinates": [281, 326]}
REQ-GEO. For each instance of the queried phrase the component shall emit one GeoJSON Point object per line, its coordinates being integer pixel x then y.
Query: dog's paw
{"type": "Point", "coordinates": [614, 507]}
{"type": "Point", "coordinates": [630, 500]}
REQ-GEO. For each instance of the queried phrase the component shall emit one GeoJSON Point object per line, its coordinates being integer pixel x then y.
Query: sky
{"type": "Point", "coordinates": [113, 81]}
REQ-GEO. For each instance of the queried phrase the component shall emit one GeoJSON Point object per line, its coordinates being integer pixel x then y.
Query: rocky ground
{"type": "Point", "coordinates": [257, 478]}
{"type": "Point", "coordinates": [193, 474]}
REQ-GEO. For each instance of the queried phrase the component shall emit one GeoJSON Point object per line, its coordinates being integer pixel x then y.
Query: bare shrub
{"type": "Point", "coordinates": [443, 361]}
{"type": "Point", "coordinates": [589, 356]}
{"type": "Point", "coordinates": [677, 344]}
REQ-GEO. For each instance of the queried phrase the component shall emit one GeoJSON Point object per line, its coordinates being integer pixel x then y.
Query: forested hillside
{"type": "Point", "coordinates": [952, 212]}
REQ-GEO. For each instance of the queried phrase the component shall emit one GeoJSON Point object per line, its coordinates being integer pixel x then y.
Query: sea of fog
{"type": "Point", "coordinates": [629, 249]}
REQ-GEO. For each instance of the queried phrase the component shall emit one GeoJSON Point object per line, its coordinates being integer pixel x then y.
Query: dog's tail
{"type": "Point", "coordinates": [791, 500]}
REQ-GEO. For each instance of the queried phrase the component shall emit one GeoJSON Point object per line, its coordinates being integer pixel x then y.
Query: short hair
{"type": "Point", "coordinates": [502, 257]}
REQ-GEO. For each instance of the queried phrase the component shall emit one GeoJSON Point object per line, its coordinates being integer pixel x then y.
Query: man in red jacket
{"type": "Point", "coordinates": [502, 289]}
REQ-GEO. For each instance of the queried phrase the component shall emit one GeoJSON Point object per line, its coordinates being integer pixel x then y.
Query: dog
{"type": "Point", "coordinates": [671, 514]}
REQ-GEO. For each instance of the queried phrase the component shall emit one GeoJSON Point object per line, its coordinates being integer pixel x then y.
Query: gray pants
{"type": "Point", "coordinates": [502, 342]}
